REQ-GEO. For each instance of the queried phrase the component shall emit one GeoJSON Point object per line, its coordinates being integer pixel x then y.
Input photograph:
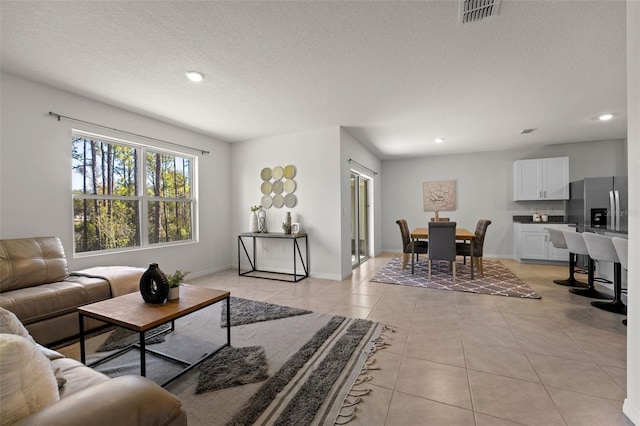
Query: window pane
{"type": "Point", "coordinates": [105, 224]}
{"type": "Point", "coordinates": [168, 176]}
{"type": "Point", "coordinates": [102, 168]}
{"type": "Point", "coordinates": [169, 221]}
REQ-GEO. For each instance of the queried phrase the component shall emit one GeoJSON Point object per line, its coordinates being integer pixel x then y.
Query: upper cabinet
{"type": "Point", "coordinates": [541, 179]}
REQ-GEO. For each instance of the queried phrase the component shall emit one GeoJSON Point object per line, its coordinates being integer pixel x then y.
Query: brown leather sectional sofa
{"type": "Point", "coordinates": [36, 286]}
{"type": "Point", "coordinates": [37, 289]}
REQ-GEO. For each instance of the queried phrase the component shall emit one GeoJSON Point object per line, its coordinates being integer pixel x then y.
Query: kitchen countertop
{"type": "Point", "coordinates": [601, 230]}
{"type": "Point", "coordinates": [529, 219]}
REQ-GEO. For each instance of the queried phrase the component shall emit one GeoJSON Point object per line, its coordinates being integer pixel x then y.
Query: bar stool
{"type": "Point", "coordinates": [622, 249]}
{"type": "Point", "coordinates": [558, 241]}
{"type": "Point", "coordinates": [576, 245]}
{"type": "Point", "coordinates": [601, 249]}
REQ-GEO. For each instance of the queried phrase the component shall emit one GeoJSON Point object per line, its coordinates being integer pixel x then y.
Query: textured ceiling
{"type": "Point", "coordinates": [397, 75]}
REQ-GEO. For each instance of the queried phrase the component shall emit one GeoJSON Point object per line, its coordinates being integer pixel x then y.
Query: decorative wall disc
{"type": "Point", "coordinates": [290, 201]}
{"type": "Point", "coordinates": [289, 171]}
{"type": "Point", "coordinates": [277, 187]}
{"type": "Point", "coordinates": [278, 201]}
{"type": "Point", "coordinates": [265, 174]}
{"type": "Point", "coordinates": [289, 186]}
{"type": "Point", "coordinates": [266, 201]}
{"type": "Point", "coordinates": [277, 173]}
{"type": "Point", "coordinates": [265, 188]}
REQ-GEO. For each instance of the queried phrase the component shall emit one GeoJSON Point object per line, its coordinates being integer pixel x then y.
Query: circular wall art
{"type": "Point", "coordinates": [277, 173]}
{"type": "Point", "coordinates": [266, 201]}
{"type": "Point", "coordinates": [278, 201]}
{"type": "Point", "coordinates": [278, 192]}
{"type": "Point", "coordinates": [289, 186]}
{"type": "Point", "coordinates": [265, 174]}
{"type": "Point", "coordinates": [277, 187]}
{"type": "Point", "coordinates": [290, 201]}
{"type": "Point", "coordinates": [289, 171]}
{"type": "Point", "coordinates": [265, 188]}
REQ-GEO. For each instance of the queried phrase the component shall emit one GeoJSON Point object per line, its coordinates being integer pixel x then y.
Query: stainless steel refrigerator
{"type": "Point", "coordinates": [599, 202]}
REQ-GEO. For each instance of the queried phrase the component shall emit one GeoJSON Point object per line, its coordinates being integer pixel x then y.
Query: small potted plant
{"type": "Point", "coordinates": [175, 280]}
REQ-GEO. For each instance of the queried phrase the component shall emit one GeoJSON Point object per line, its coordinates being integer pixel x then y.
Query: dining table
{"type": "Point", "coordinates": [462, 234]}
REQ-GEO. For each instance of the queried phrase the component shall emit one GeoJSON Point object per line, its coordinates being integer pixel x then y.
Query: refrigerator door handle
{"type": "Point", "coordinates": [612, 208]}
{"type": "Point", "coordinates": [616, 215]}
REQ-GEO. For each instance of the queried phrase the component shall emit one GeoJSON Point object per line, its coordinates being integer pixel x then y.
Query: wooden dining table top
{"type": "Point", "coordinates": [461, 234]}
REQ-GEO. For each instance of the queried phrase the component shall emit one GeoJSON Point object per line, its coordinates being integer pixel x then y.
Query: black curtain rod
{"type": "Point", "coordinates": [59, 117]}
{"type": "Point", "coordinates": [363, 166]}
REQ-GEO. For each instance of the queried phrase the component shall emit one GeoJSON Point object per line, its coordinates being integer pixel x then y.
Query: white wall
{"type": "Point", "coordinates": [315, 154]}
{"type": "Point", "coordinates": [631, 405]}
{"type": "Point", "coordinates": [351, 148]}
{"type": "Point", "coordinates": [484, 188]}
{"type": "Point", "coordinates": [35, 176]}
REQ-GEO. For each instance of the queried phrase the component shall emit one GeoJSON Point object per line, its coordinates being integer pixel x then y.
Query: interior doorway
{"type": "Point", "coordinates": [360, 189]}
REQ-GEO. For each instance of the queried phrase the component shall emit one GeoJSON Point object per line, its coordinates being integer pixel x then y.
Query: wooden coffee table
{"type": "Point", "coordinates": [133, 313]}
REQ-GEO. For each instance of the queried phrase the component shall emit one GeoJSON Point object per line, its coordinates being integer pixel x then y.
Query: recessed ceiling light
{"type": "Point", "coordinates": [606, 117]}
{"type": "Point", "coordinates": [439, 140]}
{"type": "Point", "coordinates": [195, 76]}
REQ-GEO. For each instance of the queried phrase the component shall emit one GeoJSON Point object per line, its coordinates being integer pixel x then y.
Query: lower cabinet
{"type": "Point", "coordinates": [532, 242]}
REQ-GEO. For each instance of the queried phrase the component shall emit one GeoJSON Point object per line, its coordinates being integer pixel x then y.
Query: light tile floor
{"type": "Point", "coordinates": [469, 359]}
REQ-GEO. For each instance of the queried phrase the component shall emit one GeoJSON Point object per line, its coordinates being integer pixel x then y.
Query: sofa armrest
{"type": "Point", "coordinates": [125, 400]}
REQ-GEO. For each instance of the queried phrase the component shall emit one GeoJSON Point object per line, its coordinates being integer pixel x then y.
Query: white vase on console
{"type": "Point", "coordinates": [253, 222]}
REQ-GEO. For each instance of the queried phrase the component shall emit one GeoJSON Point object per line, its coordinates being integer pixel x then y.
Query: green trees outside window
{"type": "Point", "coordinates": [120, 201]}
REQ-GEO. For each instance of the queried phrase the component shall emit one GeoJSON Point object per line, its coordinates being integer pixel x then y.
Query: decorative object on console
{"type": "Point", "coordinates": [278, 187]}
{"type": "Point", "coordinates": [154, 285]}
{"type": "Point", "coordinates": [287, 224]}
{"type": "Point", "coordinates": [174, 281]}
{"type": "Point", "coordinates": [253, 219]}
{"type": "Point", "coordinates": [262, 221]}
{"type": "Point", "coordinates": [295, 227]}
{"type": "Point", "coordinates": [439, 196]}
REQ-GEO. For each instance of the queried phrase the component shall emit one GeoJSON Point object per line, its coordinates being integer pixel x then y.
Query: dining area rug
{"type": "Point", "coordinates": [498, 280]}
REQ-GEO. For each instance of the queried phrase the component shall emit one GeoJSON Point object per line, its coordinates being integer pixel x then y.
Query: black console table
{"type": "Point", "coordinates": [297, 254]}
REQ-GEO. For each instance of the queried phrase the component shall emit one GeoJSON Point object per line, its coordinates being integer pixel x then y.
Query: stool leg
{"type": "Point", "coordinates": [571, 281]}
{"type": "Point", "coordinates": [616, 305]}
{"type": "Point", "coordinates": [590, 291]}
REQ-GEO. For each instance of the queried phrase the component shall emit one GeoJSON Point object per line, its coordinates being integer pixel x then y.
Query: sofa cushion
{"type": "Point", "coordinates": [51, 300]}
{"type": "Point", "coordinates": [28, 382]}
{"type": "Point", "coordinates": [77, 376]}
{"type": "Point", "coordinates": [10, 324]}
{"type": "Point", "coordinates": [28, 262]}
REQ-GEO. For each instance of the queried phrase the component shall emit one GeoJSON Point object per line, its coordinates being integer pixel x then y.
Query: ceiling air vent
{"type": "Point", "coordinates": [476, 10]}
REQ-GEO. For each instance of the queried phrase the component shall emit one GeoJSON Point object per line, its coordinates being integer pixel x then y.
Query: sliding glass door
{"type": "Point", "coordinates": [359, 218]}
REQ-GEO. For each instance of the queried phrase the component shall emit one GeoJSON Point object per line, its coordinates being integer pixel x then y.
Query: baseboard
{"type": "Point", "coordinates": [632, 413]}
{"type": "Point", "coordinates": [211, 271]}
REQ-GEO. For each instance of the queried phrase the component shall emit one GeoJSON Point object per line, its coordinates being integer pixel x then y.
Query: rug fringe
{"type": "Point", "coordinates": [354, 397]}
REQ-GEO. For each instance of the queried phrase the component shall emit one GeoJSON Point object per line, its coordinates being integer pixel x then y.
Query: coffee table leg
{"type": "Point", "coordinates": [83, 353]}
{"type": "Point", "coordinates": [143, 366]}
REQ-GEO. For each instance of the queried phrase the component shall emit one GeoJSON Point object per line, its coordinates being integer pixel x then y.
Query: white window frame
{"type": "Point", "coordinates": [142, 198]}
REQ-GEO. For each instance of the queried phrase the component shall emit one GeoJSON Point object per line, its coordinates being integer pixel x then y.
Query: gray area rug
{"type": "Point", "coordinates": [233, 367]}
{"type": "Point", "coordinates": [292, 370]}
{"type": "Point", "coordinates": [245, 311]}
{"type": "Point", "coordinates": [121, 337]}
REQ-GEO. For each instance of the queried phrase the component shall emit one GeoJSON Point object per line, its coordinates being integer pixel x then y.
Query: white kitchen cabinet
{"type": "Point", "coordinates": [532, 242]}
{"type": "Point", "coordinates": [541, 179]}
